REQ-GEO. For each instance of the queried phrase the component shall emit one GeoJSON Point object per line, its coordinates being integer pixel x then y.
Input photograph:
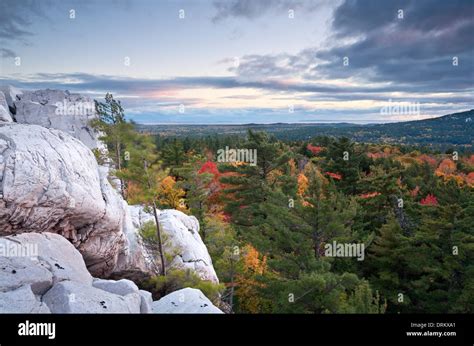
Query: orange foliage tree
{"type": "Point", "coordinates": [446, 168]}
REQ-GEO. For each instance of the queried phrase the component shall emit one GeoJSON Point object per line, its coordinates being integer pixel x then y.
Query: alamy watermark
{"type": "Point", "coordinates": [336, 249]}
{"type": "Point", "coordinates": [11, 249]}
{"type": "Point", "coordinates": [37, 329]}
{"type": "Point", "coordinates": [74, 108]}
{"type": "Point", "coordinates": [237, 155]}
{"type": "Point", "coordinates": [400, 108]}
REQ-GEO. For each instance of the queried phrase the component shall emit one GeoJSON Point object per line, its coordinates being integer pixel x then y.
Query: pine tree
{"type": "Point", "coordinates": [344, 160]}
{"type": "Point", "coordinates": [116, 130]}
{"type": "Point", "coordinates": [144, 171]}
{"type": "Point", "coordinates": [173, 154]}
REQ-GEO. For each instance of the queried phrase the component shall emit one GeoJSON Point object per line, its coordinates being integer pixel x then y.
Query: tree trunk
{"type": "Point", "coordinates": [118, 160]}
{"type": "Point", "coordinates": [231, 300]}
{"type": "Point", "coordinates": [155, 214]}
{"type": "Point", "coordinates": [160, 242]}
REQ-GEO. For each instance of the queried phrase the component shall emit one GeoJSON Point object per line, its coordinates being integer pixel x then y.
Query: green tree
{"type": "Point", "coordinates": [116, 130]}
{"type": "Point", "coordinates": [145, 172]}
{"type": "Point", "coordinates": [173, 154]}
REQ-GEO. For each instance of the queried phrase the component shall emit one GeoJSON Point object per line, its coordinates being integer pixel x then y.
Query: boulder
{"type": "Point", "coordinates": [39, 260]}
{"type": "Point", "coordinates": [39, 271]}
{"type": "Point", "coordinates": [50, 182]}
{"type": "Point", "coordinates": [187, 300]}
{"type": "Point", "coordinates": [146, 302]}
{"type": "Point", "coordinates": [21, 301]}
{"type": "Point", "coordinates": [10, 94]}
{"type": "Point", "coordinates": [121, 287]}
{"type": "Point", "coordinates": [16, 272]}
{"type": "Point", "coordinates": [75, 297]}
{"type": "Point", "coordinates": [60, 110]}
{"type": "Point", "coordinates": [183, 242]}
{"type": "Point", "coordinates": [5, 116]}
{"type": "Point", "coordinates": [134, 261]}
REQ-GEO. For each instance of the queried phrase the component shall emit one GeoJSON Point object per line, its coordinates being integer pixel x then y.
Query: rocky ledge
{"type": "Point", "coordinates": [54, 193]}
{"type": "Point", "coordinates": [44, 273]}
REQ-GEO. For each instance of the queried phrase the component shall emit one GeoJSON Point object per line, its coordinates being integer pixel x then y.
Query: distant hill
{"type": "Point", "coordinates": [449, 130]}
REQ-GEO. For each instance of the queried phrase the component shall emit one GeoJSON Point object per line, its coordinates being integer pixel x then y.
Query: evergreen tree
{"type": "Point", "coordinates": [115, 129]}
{"type": "Point", "coordinates": [145, 172]}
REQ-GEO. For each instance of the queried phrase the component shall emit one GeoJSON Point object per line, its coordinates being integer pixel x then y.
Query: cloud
{"type": "Point", "coordinates": [148, 100]}
{"type": "Point", "coordinates": [16, 16]}
{"type": "Point", "coordinates": [416, 51]}
{"type": "Point", "coordinates": [147, 87]}
{"type": "Point", "coordinates": [7, 53]}
{"type": "Point", "coordinates": [251, 9]}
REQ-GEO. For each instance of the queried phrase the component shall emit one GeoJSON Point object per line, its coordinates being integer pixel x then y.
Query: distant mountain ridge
{"type": "Point", "coordinates": [448, 130]}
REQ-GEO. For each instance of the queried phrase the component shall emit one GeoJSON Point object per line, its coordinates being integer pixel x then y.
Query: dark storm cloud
{"type": "Point", "coordinates": [417, 49]}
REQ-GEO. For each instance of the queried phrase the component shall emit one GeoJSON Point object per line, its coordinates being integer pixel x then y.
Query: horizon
{"type": "Point", "coordinates": [240, 62]}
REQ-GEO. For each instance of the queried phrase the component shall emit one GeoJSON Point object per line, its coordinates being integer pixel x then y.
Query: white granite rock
{"type": "Point", "coordinates": [134, 257]}
{"type": "Point", "coordinates": [121, 287]}
{"type": "Point", "coordinates": [20, 271]}
{"type": "Point", "coordinates": [50, 182]}
{"type": "Point", "coordinates": [21, 301]}
{"type": "Point", "coordinates": [45, 267]}
{"type": "Point", "coordinates": [186, 300]}
{"type": "Point", "coordinates": [11, 94]}
{"type": "Point", "coordinates": [60, 110]}
{"type": "Point", "coordinates": [5, 116]}
{"type": "Point", "coordinates": [184, 244]}
{"type": "Point", "coordinates": [146, 302]}
{"type": "Point", "coordinates": [74, 297]}
{"type": "Point", "coordinates": [46, 253]}
{"type": "Point", "coordinates": [182, 233]}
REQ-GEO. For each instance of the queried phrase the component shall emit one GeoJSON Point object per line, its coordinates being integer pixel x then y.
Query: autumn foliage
{"type": "Point", "coordinates": [315, 150]}
{"type": "Point", "coordinates": [334, 175]}
{"type": "Point", "coordinates": [369, 195]}
{"type": "Point", "coordinates": [429, 200]}
{"type": "Point", "coordinates": [302, 184]}
{"type": "Point", "coordinates": [254, 265]}
{"type": "Point", "coordinates": [170, 195]}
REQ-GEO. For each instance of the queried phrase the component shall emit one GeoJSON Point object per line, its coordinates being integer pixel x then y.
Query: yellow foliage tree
{"type": "Point", "coordinates": [170, 195]}
{"type": "Point", "coordinates": [254, 265]}
{"type": "Point", "coordinates": [302, 184]}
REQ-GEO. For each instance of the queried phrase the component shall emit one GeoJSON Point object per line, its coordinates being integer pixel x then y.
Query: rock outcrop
{"type": "Point", "coordinates": [50, 182]}
{"type": "Point", "coordinates": [60, 110]}
{"type": "Point", "coordinates": [42, 273]}
{"type": "Point", "coordinates": [182, 233]}
{"type": "Point", "coordinates": [185, 301]}
{"type": "Point", "coordinates": [5, 116]}
{"type": "Point", "coordinates": [10, 94]}
{"type": "Point", "coordinates": [21, 301]}
{"type": "Point", "coordinates": [73, 297]}
{"type": "Point", "coordinates": [182, 241]}
{"type": "Point", "coordinates": [45, 273]}
{"type": "Point", "coordinates": [51, 185]}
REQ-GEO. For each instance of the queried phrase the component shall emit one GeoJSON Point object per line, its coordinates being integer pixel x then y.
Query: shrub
{"type": "Point", "coordinates": [177, 279]}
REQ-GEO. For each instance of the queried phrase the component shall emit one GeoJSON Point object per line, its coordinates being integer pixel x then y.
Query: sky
{"type": "Point", "coordinates": [247, 61]}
